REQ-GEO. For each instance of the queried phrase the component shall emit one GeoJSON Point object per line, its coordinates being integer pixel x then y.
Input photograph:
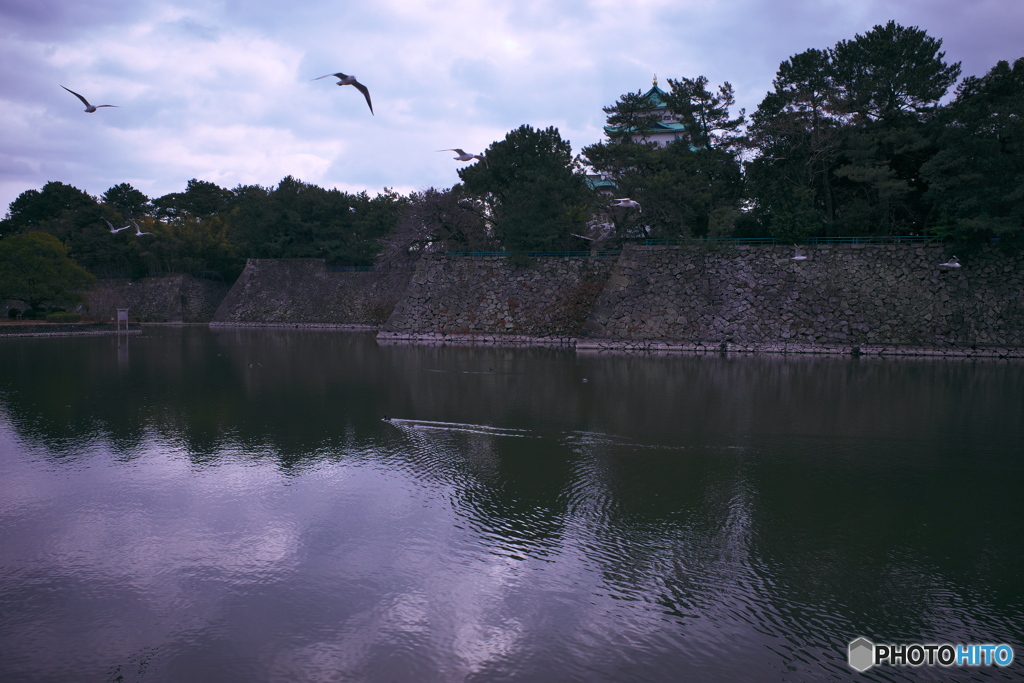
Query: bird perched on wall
{"type": "Point", "coordinates": [626, 203]}
{"type": "Point", "coordinates": [88, 107]}
{"type": "Point", "coordinates": [344, 79]}
{"type": "Point", "coordinates": [465, 156]}
{"type": "Point", "coordinates": [113, 229]}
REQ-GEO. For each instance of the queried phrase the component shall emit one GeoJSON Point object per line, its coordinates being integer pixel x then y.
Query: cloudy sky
{"type": "Point", "coordinates": [222, 90]}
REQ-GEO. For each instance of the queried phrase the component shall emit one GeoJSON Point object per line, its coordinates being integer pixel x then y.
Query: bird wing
{"type": "Point", "coordinates": [84, 101]}
{"type": "Point", "coordinates": [337, 75]}
{"type": "Point", "coordinates": [452, 150]}
{"type": "Point", "coordinates": [366, 93]}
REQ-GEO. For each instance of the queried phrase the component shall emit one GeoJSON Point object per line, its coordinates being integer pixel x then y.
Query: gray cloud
{"type": "Point", "coordinates": [223, 92]}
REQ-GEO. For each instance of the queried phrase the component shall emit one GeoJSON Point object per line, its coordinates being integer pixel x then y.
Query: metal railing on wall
{"type": "Point", "coordinates": [888, 239]}
{"type": "Point", "coordinates": [674, 241]}
{"type": "Point", "coordinates": [592, 252]}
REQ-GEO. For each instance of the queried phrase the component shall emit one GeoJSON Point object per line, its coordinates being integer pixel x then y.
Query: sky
{"type": "Point", "coordinates": [222, 91]}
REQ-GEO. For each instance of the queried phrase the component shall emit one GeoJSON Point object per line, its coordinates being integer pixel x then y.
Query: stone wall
{"type": "Point", "coordinates": [545, 300]}
{"type": "Point", "coordinates": [848, 299]}
{"type": "Point", "coordinates": [305, 292]}
{"type": "Point", "coordinates": [175, 298]}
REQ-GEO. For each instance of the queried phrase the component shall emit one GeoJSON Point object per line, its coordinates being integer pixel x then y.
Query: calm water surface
{"type": "Point", "coordinates": [230, 505]}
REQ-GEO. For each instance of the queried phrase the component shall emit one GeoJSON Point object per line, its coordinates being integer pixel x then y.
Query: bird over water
{"type": "Point", "coordinates": [88, 107]}
{"type": "Point", "coordinates": [344, 79]}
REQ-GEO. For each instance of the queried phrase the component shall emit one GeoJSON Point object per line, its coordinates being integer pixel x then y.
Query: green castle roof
{"type": "Point", "coordinates": [656, 96]}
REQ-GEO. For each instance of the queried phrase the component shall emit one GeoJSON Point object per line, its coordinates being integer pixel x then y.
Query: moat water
{"type": "Point", "coordinates": [232, 505]}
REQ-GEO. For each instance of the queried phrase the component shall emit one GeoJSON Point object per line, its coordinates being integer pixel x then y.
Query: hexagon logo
{"type": "Point", "coordinates": [862, 654]}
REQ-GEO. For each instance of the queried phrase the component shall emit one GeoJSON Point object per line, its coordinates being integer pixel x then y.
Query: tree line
{"type": "Point", "coordinates": [873, 136]}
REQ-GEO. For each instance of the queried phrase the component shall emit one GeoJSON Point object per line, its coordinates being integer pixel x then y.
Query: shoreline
{"type": "Point", "coordinates": [41, 329]}
{"type": "Point", "coordinates": [584, 345]}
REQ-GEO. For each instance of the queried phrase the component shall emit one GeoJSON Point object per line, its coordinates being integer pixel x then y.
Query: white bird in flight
{"type": "Point", "coordinates": [88, 107]}
{"type": "Point", "coordinates": [797, 256]}
{"type": "Point", "coordinates": [951, 263]}
{"type": "Point", "coordinates": [138, 230]}
{"type": "Point", "coordinates": [113, 229]}
{"type": "Point", "coordinates": [626, 203]}
{"type": "Point", "coordinates": [465, 156]}
{"type": "Point", "coordinates": [344, 79]}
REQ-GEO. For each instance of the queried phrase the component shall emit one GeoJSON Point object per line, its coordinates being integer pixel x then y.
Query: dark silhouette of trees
{"type": "Point", "coordinates": [35, 269]}
{"type": "Point", "coordinates": [976, 179]}
{"type": "Point", "coordinates": [534, 192]}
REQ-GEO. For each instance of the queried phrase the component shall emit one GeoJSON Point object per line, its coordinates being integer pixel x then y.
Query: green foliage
{"type": "Point", "coordinates": [127, 201]}
{"type": "Point", "coordinates": [892, 71]}
{"type": "Point", "coordinates": [683, 192]}
{"type": "Point", "coordinates": [844, 135]}
{"type": "Point", "coordinates": [435, 221]}
{"type": "Point", "coordinates": [705, 113]}
{"type": "Point", "coordinates": [35, 269]}
{"type": "Point", "coordinates": [630, 115]}
{"type": "Point", "coordinates": [34, 207]}
{"type": "Point", "coordinates": [533, 191]}
{"type": "Point", "coordinates": [798, 130]}
{"type": "Point", "coordinates": [298, 220]}
{"type": "Point", "coordinates": [63, 317]}
{"type": "Point", "coordinates": [201, 199]}
{"type": "Point", "coordinates": [977, 177]}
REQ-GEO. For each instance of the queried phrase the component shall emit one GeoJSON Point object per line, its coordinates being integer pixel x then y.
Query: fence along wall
{"type": "Point", "coordinates": [305, 292]}
{"type": "Point", "coordinates": [495, 299]}
{"type": "Point", "coordinates": [858, 298]}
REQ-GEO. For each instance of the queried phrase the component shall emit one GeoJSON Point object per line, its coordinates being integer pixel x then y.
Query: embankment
{"type": "Point", "coordinates": [493, 299]}
{"type": "Point", "coordinates": [306, 292]}
{"type": "Point", "coordinates": [175, 298]}
{"type": "Point", "coordinates": [885, 299]}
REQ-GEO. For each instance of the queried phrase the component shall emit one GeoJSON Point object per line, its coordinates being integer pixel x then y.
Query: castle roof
{"type": "Point", "coordinates": [657, 98]}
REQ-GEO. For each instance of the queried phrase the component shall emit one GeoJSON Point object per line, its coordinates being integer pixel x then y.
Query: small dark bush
{"type": "Point", "coordinates": [63, 317]}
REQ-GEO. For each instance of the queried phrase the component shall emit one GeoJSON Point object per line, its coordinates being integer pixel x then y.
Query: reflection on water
{"type": "Point", "coordinates": [263, 505]}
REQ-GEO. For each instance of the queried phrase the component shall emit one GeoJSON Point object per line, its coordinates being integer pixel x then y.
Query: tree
{"type": "Point", "coordinates": [127, 201]}
{"type": "Point", "coordinates": [300, 220]}
{"type": "Point", "coordinates": [893, 71]}
{"type": "Point", "coordinates": [632, 114]}
{"type": "Point", "coordinates": [34, 207]}
{"type": "Point", "coordinates": [797, 131]}
{"type": "Point", "coordinates": [533, 191]}
{"type": "Point", "coordinates": [35, 269]}
{"type": "Point", "coordinates": [684, 192]}
{"type": "Point", "coordinates": [976, 180]}
{"type": "Point", "coordinates": [436, 221]}
{"type": "Point", "coordinates": [690, 187]}
{"type": "Point", "coordinates": [706, 114]}
{"type": "Point", "coordinates": [891, 80]}
{"type": "Point", "coordinates": [201, 198]}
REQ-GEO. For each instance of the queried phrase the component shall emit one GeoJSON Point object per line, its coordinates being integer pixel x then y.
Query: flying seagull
{"type": "Point", "coordinates": [626, 203]}
{"type": "Point", "coordinates": [138, 230]}
{"type": "Point", "coordinates": [951, 263]}
{"type": "Point", "coordinates": [113, 229]}
{"type": "Point", "coordinates": [350, 80]}
{"type": "Point", "coordinates": [798, 256]}
{"type": "Point", "coordinates": [465, 156]}
{"type": "Point", "coordinates": [88, 107]}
